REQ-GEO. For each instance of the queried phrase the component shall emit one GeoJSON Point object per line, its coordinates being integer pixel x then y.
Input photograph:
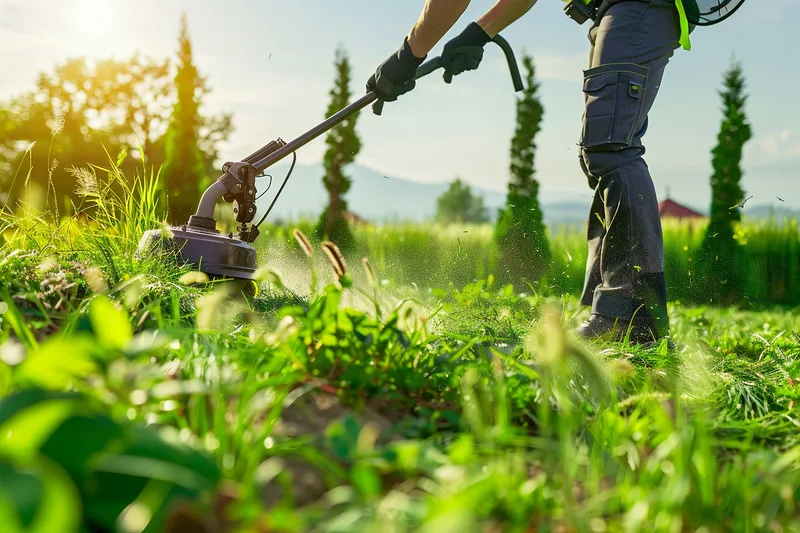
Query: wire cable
{"type": "Point", "coordinates": [291, 168]}
{"type": "Point", "coordinates": [268, 186]}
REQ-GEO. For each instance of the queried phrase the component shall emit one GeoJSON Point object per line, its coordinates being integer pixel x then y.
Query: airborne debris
{"type": "Point", "coordinates": [742, 203]}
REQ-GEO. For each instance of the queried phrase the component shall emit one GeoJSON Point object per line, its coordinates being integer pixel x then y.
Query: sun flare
{"type": "Point", "coordinates": [93, 18]}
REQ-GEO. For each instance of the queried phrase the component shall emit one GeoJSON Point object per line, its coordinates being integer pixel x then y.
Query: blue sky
{"type": "Point", "coordinates": [271, 64]}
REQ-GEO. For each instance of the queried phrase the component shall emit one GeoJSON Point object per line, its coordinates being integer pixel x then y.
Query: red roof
{"type": "Point", "coordinates": [669, 208]}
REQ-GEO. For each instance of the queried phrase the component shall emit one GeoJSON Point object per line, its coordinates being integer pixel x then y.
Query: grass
{"type": "Point", "coordinates": [460, 254]}
{"type": "Point", "coordinates": [389, 395]}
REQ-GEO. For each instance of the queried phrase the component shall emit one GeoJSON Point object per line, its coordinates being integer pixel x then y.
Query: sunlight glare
{"type": "Point", "coordinates": [92, 18]}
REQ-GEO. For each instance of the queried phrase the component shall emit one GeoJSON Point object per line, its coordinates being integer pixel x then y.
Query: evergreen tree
{"type": "Point", "coordinates": [520, 234]}
{"type": "Point", "coordinates": [343, 146]}
{"type": "Point", "coordinates": [184, 172]}
{"type": "Point", "coordinates": [721, 259]}
{"type": "Point", "coordinates": [458, 204]}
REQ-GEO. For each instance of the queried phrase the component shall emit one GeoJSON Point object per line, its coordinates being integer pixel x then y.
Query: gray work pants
{"type": "Point", "coordinates": [632, 42]}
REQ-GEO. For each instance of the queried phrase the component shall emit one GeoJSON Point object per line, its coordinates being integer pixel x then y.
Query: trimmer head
{"type": "Point", "coordinates": [207, 250]}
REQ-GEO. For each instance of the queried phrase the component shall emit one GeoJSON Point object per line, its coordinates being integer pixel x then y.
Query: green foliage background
{"type": "Point", "coordinates": [458, 205]}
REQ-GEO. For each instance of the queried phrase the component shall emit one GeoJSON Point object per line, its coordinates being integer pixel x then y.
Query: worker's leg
{"type": "Point", "coordinates": [625, 269]}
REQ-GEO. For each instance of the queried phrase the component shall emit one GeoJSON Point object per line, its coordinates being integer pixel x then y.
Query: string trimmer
{"type": "Point", "coordinates": [201, 244]}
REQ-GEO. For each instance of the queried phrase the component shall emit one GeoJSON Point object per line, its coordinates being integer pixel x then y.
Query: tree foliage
{"type": "Point", "coordinates": [343, 147]}
{"type": "Point", "coordinates": [184, 172]}
{"type": "Point", "coordinates": [520, 233]}
{"type": "Point", "coordinates": [83, 112]}
{"type": "Point", "coordinates": [721, 259]}
{"type": "Point", "coordinates": [458, 205]}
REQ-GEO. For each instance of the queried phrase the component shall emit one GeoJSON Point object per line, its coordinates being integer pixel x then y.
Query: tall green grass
{"type": "Point", "coordinates": [104, 228]}
{"type": "Point", "coordinates": [149, 407]}
{"type": "Point", "coordinates": [435, 255]}
{"type": "Point", "coordinates": [438, 256]}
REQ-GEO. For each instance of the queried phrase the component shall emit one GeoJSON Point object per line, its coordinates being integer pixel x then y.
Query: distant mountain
{"type": "Point", "coordinates": [379, 198]}
{"type": "Point", "coordinates": [762, 212]}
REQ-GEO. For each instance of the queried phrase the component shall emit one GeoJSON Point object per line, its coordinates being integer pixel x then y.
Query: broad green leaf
{"type": "Point", "coordinates": [23, 434]}
{"type": "Point", "coordinates": [110, 324]}
{"type": "Point", "coordinates": [462, 451]}
{"type": "Point", "coordinates": [17, 322]}
{"type": "Point", "coordinates": [13, 404]}
{"type": "Point", "coordinates": [60, 508]}
{"type": "Point", "coordinates": [59, 362]}
{"type": "Point", "coordinates": [366, 480]}
{"type": "Point", "coordinates": [9, 517]}
{"type": "Point", "coordinates": [21, 491]}
{"type": "Point", "coordinates": [148, 443]}
{"type": "Point", "coordinates": [139, 515]}
{"type": "Point", "coordinates": [74, 443]}
{"type": "Point", "coordinates": [114, 467]}
{"type": "Point", "coordinates": [343, 437]}
{"type": "Point", "coordinates": [148, 468]}
{"type": "Point", "coordinates": [147, 341]}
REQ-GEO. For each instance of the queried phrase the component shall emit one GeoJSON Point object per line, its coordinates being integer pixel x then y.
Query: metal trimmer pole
{"type": "Point", "coordinates": [315, 132]}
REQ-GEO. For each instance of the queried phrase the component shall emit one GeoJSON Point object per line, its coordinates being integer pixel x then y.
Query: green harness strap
{"type": "Point", "coordinates": [684, 39]}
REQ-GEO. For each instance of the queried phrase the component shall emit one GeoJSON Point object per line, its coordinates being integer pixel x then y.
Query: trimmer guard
{"type": "Point", "coordinates": [208, 251]}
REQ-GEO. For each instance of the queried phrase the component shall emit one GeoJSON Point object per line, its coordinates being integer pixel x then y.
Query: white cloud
{"type": "Point", "coordinates": [779, 145]}
{"type": "Point", "coordinates": [12, 16]}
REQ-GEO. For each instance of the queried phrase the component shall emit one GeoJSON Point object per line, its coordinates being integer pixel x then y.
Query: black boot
{"type": "Point", "coordinates": [615, 329]}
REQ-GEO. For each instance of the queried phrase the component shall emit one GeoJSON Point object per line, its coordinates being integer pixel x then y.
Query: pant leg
{"type": "Point", "coordinates": [632, 44]}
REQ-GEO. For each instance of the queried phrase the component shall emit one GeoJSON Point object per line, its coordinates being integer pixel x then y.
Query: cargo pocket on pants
{"type": "Point", "coordinates": [614, 96]}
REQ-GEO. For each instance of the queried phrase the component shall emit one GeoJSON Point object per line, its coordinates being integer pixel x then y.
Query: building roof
{"type": "Point", "coordinates": [670, 208]}
{"type": "Point", "coordinates": [352, 218]}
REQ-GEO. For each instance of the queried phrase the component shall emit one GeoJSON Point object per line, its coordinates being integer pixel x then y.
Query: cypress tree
{"type": "Point", "coordinates": [520, 234]}
{"type": "Point", "coordinates": [721, 260]}
{"type": "Point", "coordinates": [184, 171]}
{"type": "Point", "coordinates": [343, 146]}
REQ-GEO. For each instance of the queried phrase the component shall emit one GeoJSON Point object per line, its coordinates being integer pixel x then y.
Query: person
{"type": "Point", "coordinates": [631, 42]}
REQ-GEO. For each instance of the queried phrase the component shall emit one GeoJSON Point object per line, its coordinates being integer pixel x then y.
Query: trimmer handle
{"type": "Point", "coordinates": [436, 63]}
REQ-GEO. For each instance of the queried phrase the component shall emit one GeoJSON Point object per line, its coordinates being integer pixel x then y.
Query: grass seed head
{"type": "Point", "coordinates": [337, 262]}
{"type": "Point", "coordinates": [194, 277]}
{"type": "Point", "coordinates": [371, 279]}
{"type": "Point", "coordinates": [85, 182]}
{"type": "Point", "coordinates": [94, 278]}
{"type": "Point", "coordinates": [57, 124]}
{"type": "Point", "coordinates": [303, 241]}
{"type": "Point", "coordinates": [335, 258]}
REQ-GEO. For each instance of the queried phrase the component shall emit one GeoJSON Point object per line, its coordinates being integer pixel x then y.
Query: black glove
{"type": "Point", "coordinates": [464, 51]}
{"type": "Point", "coordinates": [395, 76]}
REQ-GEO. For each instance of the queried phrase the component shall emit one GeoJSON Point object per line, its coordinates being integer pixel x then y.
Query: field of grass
{"type": "Point", "coordinates": [410, 392]}
{"type": "Point", "coordinates": [458, 255]}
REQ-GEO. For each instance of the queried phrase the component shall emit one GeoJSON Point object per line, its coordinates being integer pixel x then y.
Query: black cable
{"type": "Point", "coordinates": [268, 186]}
{"type": "Point", "coordinates": [294, 159]}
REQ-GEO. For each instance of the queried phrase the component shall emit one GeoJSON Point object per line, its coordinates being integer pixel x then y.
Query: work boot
{"type": "Point", "coordinates": [601, 327]}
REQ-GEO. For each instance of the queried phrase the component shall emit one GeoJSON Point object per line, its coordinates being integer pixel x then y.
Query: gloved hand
{"type": "Point", "coordinates": [395, 76]}
{"type": "Point", "coordinates": [464, 51]}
